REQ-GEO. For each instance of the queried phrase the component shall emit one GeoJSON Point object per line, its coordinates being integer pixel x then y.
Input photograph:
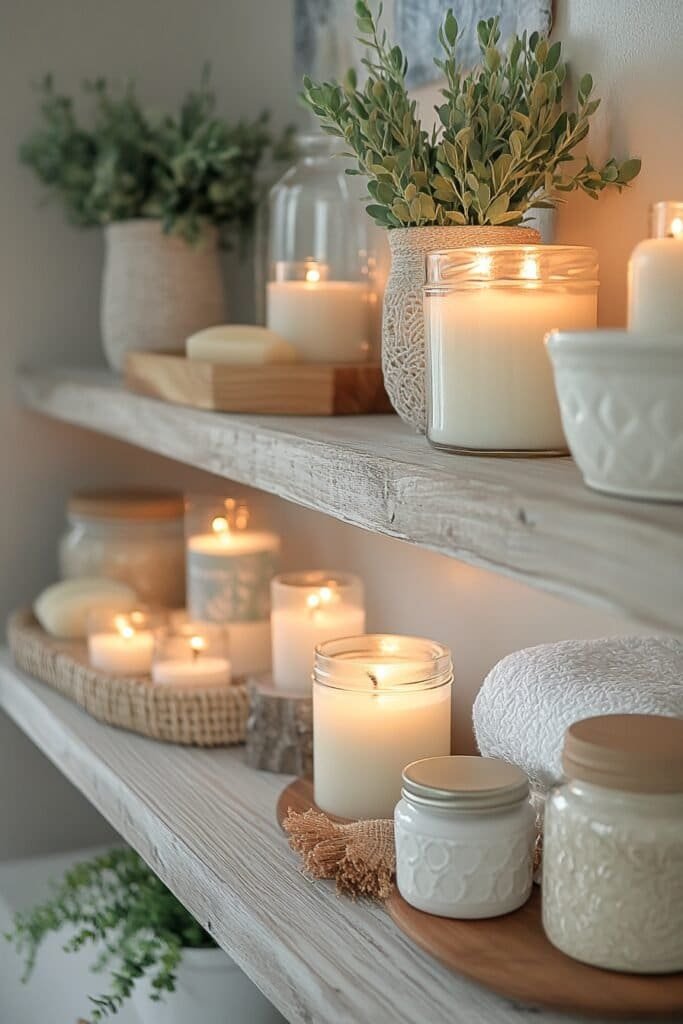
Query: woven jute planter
{"type": "Point", "coordinates": [403, 332]}
{"type": "Point", "coordinates": [157, 288]}
{"type": "Point", "coordinates": [209, 716]}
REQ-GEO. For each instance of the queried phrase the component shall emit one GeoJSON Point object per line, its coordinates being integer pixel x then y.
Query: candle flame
{"type": "Point", "coordinates": [197, 643]}
{"type": "Point", "coordinates": [676, 227]}
{"type": "Point", "coordinates": [137, 618]}
{"type": "Point", "coordinates": [313, 276]}
{"type": "Point", "coordinates": [124, 627]}
{"type": "Point", "coordinates": [530, 268]}
{"type": "Point", "coordinates": [483, 264]}
{"type": "Point", "coordinates": [220, 525]}
{"type": "Point", "coordinates": [313, 601]}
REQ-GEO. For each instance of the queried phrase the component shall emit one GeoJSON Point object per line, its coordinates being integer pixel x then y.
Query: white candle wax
{"type": "Point", "coordinates": [326, 321]}
{"type": "Point", "coordinates": [297, 631]}
{"type": "Point", "coordinates": [363, 739]}
{"type": "Point", "coordinates": [200, 671]}
{"type": "Point", "coordinates": [490, 377]}
{"type": "Point", "coordinates": [655, 292]}
{"type": "Point", "coordinates": [127, 652]}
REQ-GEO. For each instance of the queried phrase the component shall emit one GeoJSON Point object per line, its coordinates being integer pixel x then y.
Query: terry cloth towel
{"type": "Point", "coordinates": [529, 699]}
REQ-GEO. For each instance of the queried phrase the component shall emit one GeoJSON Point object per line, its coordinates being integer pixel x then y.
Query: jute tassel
{"type": "Point", "coordinates": [360, 856]}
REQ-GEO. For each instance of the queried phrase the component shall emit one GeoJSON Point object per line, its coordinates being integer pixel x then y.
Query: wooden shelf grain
{"type": "Point", "coordinates": [531, 519]}
{"type": "Point", "coordinates": [206, 823]}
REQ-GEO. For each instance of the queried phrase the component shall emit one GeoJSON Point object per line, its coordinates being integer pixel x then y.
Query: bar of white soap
{"type": "Point", "coordinates": [240, 345]}
{"type": "Point", "coordinates": [63, 609]}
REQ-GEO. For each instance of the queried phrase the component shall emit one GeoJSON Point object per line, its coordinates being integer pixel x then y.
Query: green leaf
{"type": "Point", "coordinates": [585, 86]}
{"type": "Point", "coordinates": [498, 208]}
{"type": "Point", "coordinates": [629, 170]}
{"type": "Point", "coordinates": [450, 28]}
{"type": "Point", "coordinates": [553, 56]}
{"type": "Point", "coordinates": [455, 217]}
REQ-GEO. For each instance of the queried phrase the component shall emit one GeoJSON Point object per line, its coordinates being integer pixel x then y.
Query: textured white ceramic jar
{"type": "Point", "coordinates": [613, 857]}
{"type": "Point", "coordinates": [465, 833]}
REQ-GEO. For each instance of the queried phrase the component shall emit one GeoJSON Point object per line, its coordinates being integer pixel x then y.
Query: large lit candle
{"type": "Point", "coordinates": [326, 321]}
{"type": "Point", "coordinates": [490, 384]}
{"type": "Point", "coordinates": [307, 609]}
{"type": "Point", "coordinates": [229, 569]}
{"type": "Point", "coordinates": [379, 702]}
{"type": "Point", "coordinates": [195, 655]}
{"type": "Point", "coordinates": [655, 274]}
{"type": "Point", "coordinates": [122, 643]}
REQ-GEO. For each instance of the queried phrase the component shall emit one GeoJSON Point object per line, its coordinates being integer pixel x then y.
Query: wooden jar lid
{"type": "Point", "coordinates": [127, 504]}
{"type": "Point", "coordinates": [633, 753]}
{"type": "Point", "coordinates": [461, 782]}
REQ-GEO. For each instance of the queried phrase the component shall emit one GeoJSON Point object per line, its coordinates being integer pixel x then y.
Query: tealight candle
{"type": "Point", "coordinates": [655, 273]}
{"type": "Point", "coordinates": [122, 642]}
{"type": "Point", "coordinates": [229, 569]}
{"type": "Point", "coordinates": [307, 609]}
{"type": "Point", "coordinates": [193, 654]}
{"type": "Point", "coordinates": [379, 702]}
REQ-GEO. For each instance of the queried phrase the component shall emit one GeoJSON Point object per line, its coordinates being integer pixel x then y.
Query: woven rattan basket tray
{"type": "Point", "coordinates": [204, 717]}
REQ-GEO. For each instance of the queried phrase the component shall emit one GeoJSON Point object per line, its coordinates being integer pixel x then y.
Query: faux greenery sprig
{"type": "Point", "coordinates": [183, 169]}
{"type": "Point", "coordinates": [116, 900]}
{"type": "Point", "coordinates": [503, 138]}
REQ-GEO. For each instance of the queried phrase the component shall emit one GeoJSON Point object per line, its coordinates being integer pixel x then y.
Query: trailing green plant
{"type": "Point", "coordinates": [115, 900]}
{"type": "Point", "coordinates": [182, 169]}
{"type": "Point", "coordinates": [502, 142]}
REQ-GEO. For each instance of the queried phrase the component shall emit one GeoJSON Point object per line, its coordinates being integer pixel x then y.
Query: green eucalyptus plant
{"type": "Point", "coordinates": [183, 169]}
{"type": "Point", "coordinates": [117, 901]}
{"type": "Point", "coordinates": [503, 139]}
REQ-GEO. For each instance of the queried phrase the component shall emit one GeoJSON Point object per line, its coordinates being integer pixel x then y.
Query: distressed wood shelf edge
{"type": "Point", "coordinates": [531, 519]}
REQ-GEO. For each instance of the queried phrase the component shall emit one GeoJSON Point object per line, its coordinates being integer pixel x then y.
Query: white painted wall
{"type": "Point", "coordinates": [50, 277]}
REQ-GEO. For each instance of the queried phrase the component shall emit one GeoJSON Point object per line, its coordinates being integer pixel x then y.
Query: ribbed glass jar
{"type": "Point", "coordinates": [490, 387]}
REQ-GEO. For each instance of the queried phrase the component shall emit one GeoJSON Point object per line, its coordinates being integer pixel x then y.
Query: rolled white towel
{"type": "Point", "coordinates": [531, 697]}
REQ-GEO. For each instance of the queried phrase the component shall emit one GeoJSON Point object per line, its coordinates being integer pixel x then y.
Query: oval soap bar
{"type": "Point", "coordinates": [62, 609]}
{"type": "Point", "coordinates": [240, 345]}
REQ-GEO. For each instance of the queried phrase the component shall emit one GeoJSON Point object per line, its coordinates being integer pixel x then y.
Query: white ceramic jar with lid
{"type": "Point", "coordinates": [613, 845]}
{"type": "Point", "coordinates": [465, 834]}
{"type": "Point", "coordinates": [134, 536]}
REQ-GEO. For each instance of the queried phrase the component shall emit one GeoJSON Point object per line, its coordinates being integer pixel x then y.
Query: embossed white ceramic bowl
{"type": "Point", "coordinates": [621, 400]}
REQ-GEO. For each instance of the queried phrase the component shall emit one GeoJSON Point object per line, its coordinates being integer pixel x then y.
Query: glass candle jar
{"type": "Point", "coordinates": [490, 387]}
{"type": "Point", "coordinates": [655, 272]}
{"type": "Point", "coordinates": [465, 833]}
{"type": "Point", "coordinates": [307, 609]}
{"type": "Point", "coordinates": [192, 654]}
{"type": "Point", "coordinates": [318, 288]}
{"type": "Point", "coordinates": [613, 845]}
{"type": "Point", "coordinates": [379, 702]}
{"type": "Point", "coordinates": [122, 643]}
{"type": "Point", "coordinates": [229, 568]}
{"type": "Point", "coordinates": [132, 536]}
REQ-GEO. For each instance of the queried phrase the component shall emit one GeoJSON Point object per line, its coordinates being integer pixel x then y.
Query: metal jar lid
{"type": "Point", "coordinates": [464, 783]}
{"type": "Point", "coordinates": [632, 753]}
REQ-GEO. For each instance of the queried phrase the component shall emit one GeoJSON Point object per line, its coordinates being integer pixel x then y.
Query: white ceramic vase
{"type": "Point", "coordinates": [210, 989]}
{"type": "Point", "coordinates": [403, 332]}
{"type": "Point", "coordinates": [157, 288]}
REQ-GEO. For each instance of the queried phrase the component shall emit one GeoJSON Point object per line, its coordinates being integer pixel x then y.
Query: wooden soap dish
{"type": "Point", "coordinates": [293, 389]}
{"type": "Point", "coordinates": [512, 956]}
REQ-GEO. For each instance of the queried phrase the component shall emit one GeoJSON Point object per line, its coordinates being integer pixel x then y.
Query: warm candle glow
{"type": "Point", "coordinates": [124, 628]}
{"type": "Point", "coordinates": [530, 269]}
{"type": "Point", "coordinates": [220, 525]}
{"type": "Point", "coordinates": [312, 276]}
{"type": "Point", "coordinates": [197, 643]}
{"type": "Point", "coordinates": [483, 265]}
{"type": "Point", "coordinates": [676, 227]}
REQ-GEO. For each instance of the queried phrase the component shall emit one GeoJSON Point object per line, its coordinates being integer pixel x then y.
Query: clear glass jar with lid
{"type": "Point", "coordinates": [613, 845]}
{"type": "Point", "coordinates": [135, 536]}
{"type": "Point", "coordinates": [655, 269]}
{"type": "Point", "coordinates": [319, 292]}
{"type": "Point", "coordinates": [465, 834]}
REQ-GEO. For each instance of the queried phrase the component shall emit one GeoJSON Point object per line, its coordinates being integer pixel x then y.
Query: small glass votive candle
{"type": "Point", "coordinates": [379, 702]}
{"type": "Point", "coordinates": [230, 564]}
{"type": "Point", "coordinates": [490, 387]}
{"type": "Point", "coordinates": [465, 833]}
{"type": "Point", "coordinates": [307, 609]}
{"type": "Point", "coordinates": [192, 654]}
{"type": "Point", "coordinates": [655, 272]}
{"type": "Point", "coordinates": [122, 643]}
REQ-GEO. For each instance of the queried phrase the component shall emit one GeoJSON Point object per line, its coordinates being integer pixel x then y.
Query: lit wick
{"type": "Point", "coordinates": [197, 645]}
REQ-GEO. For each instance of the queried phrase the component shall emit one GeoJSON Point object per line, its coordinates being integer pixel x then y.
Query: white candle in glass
{"type": "Point", "coordinates": [190, 661]}
{"type": "Point", "coordinates": [121, 642]}
{"type": "Point", "coordinates": [326, 321]}
{"type": "Point", "coordinates": [378, 704]}
{"type": "Point", "coordinates": [307, 609]}
{"type": "Point", "coordinates": [489, 380]}
{"type": "Point", "coordinates": [655, 274]}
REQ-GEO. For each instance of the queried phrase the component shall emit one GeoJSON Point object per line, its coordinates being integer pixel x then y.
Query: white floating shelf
{"type": "Point", "coordinates": [531, 519]}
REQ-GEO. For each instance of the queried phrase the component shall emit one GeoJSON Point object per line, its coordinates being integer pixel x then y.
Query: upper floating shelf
{"type": "Point", "coordinates": [531, 519]}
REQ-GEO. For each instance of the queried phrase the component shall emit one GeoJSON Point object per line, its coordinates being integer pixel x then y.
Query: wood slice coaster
{"type": "Point", "coordinates": [512, 956]}
{"type": "Point", "coordinates": [295, 389]}
{"type": "Point", "coordinates": [279, 730]}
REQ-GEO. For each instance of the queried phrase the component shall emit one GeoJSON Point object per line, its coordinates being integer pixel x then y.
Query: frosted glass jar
{"type": "Point", "coordinates": [613, 845]}
{"type": "Point", "coordinates": [465, 833]}
{"type": "Point", "coordinates": [487, 310]}
{"type": "Point", "coordinates": [132, 536]}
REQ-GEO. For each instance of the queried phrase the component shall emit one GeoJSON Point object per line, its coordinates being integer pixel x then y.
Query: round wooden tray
{"type": "Point", "coordinates": [512, 956]}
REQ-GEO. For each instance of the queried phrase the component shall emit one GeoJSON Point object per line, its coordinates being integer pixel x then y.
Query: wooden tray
{"type": "Point", "coordinates": [512, 956]}
{"type": "Point", "coordinates": [297, 389]}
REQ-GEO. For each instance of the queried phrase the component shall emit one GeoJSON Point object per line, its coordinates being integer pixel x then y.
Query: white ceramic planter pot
{"type": "Point", "coordinates": [210, 989]}
{"type": "Point", "coordinates": [157, 288]}
{"type": "Point", "coordinates": [403, 332]}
